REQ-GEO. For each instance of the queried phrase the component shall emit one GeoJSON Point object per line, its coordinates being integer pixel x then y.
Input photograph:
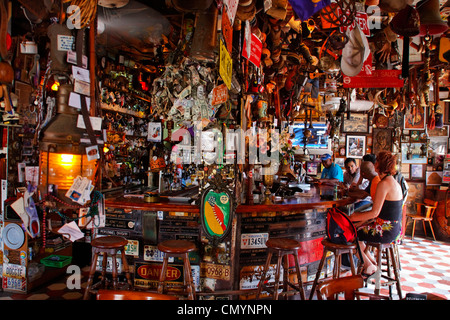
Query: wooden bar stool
{"type": "Point", "coordinates": [388, 252]}
{"type": "Point", "coordinates": [109, 245]}
{"type": "Point", "coordinates": [282, 248]}
{"type": "Point", "coordinates": [338, 250]}
{"type": "Point", "coordinates": [181, 249]}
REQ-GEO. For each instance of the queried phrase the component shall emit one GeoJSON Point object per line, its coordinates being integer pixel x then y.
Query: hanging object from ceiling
{"type": "Point", "coordinates": [113, 3]}
{"type": "Point", "coordinates": [393, 5]}
{"type": "Point", "coordinates": [189, 6]}
{"type": "Point", "coordinates": [430, 18]}
{"type": "Point", "coordinates": [406, 23]}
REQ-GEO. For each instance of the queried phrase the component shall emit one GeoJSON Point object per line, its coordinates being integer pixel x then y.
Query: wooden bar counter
{"type": "Point", "coordinates": [231, 268]}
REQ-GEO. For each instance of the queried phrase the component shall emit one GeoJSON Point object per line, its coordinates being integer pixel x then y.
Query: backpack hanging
{"type": "Point", "coordinates": [341, 230]}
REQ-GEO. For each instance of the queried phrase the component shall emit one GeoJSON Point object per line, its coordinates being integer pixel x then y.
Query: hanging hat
{"type": "Point", "coordinates": [392, 5]}
{"type": "Point", "coordinates": [406, 22]}
{"type": "Point", "coordinates": [355, 52]}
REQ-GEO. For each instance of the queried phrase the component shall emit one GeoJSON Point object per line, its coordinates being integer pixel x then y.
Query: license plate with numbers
{"type": "Point", "coordinates": [14, 284]}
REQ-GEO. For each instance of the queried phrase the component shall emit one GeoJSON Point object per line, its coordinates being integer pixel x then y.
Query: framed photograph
{"type": "Point", "coordinates": [339, 161]}
{"type": "Point", "coordinates": [412, 153]}
{"type": "Point", "coordinates": [311, 168]}
{"type": "Point", "coordinates": [438, 145]}
{"type": "Point", "coordinates": [416, 172]}
{"type": "Point", "coordinates": [382, 140]}
{"type": "Point", "coordinates": [434, 178]}
{"type": "Point", "coordinates": [415, 118]}
{"type": "Point", "coordinates": [416, 193]}
{"type": "Point", "coordinates": [438, 132]}
{"type": "Point", "coordinates": [356, 146]}
{"type": "Point", "coordinates": [154, 132]}
{"type": "Point", "coordinates": [358, 123]}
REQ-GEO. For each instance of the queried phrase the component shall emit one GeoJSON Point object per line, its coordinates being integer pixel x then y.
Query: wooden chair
{"type": "Point", "coordinates": [429, 208]}
{"type": "Point", "coordinates": [329, 289]}
{"type": "Point", "coordinates": [103, 294]}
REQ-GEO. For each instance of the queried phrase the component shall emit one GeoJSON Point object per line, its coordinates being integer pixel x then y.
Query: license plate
{"type": "Point", "coordinates": [132, 248]}
{"type": "Point", "coordinates": [14, 270]}
{"type": "Point", "coordinates": [14, 284]}
{"type": "Point", "coordinates": [215, 271]}
{"type": "Point", "coordinates": [151, 253]}
{"type": "Point", "coordinates": [109, 264]}
{"type": "Point", "coordinates": [254, 240]}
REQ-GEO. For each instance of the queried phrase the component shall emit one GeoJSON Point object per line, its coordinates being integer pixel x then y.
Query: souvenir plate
{"type": "Point", "coordinates": [13, 236]}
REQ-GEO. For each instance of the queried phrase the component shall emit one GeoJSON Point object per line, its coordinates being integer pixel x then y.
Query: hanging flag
{"type": "Point", "coordinates": [306, 8]}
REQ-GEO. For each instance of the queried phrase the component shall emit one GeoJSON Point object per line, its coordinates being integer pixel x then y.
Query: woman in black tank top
{"type": "Point", "coordinates": [383, 223]}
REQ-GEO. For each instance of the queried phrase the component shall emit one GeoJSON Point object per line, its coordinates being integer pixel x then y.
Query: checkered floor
{"type": "Point", "coordinates": [425, 267]}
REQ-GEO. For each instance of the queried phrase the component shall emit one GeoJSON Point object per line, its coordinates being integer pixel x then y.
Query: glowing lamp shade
{"type": "Point", "coordinates": [61, 169]}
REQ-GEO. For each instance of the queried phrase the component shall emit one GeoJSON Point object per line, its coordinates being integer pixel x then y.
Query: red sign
{"type": "Point", "coordinates": [153, 271]}
{"type": "Point", "coordinates": [255, 50]}
{"type": "Point", "coordinates": [378, 79]}
{"type": "Point", "coordinates": [219, 95]}
{"type": "Point", "coordinates": [227, 32]}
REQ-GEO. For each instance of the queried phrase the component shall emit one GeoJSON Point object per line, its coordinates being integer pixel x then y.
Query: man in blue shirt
{"type": "Point", "coordinates": [331, 172]}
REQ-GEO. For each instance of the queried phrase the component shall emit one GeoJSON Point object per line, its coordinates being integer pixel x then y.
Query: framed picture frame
{"type": "Point", "coordinates": [339, 161]}
{"type": "Point", "coordinates": [356, 146]}
{"type": "Point", "coordinates": [416, 193]}
{"type": "Point", "coordinates": [434, 178]}
{"type": "Point", "coordinates": [417, 172]}
{"type": "Point", "coordinates": [312, 168]}
{"type": "Point", "coordinates": [414, 118]}
{"type": "Point", "coordinates": [357, 123]}
{"type": "Point", "coordinates": [382, 140]}
{"type": "Point", "coordinates": [412, 153]}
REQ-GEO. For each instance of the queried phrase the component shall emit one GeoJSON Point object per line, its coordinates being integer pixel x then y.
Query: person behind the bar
{"type": "Point", "coordinates": [352, 177]}
{"type": "Point", "coordinates": [383, 222]}
{"type": "Point", "coordinates": [331, 173]}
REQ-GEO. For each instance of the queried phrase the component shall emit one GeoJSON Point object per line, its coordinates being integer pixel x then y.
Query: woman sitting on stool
{"type": "Point", "coordinates": [383, 223]}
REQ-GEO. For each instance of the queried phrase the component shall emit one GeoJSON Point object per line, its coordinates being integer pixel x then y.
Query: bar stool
{"type": "Point", "coordinates": [282, 248]}
{"type": "Point", "coordinates": [181, 249]}
{"type": "Point", "coordinates": [388, 252]}
{"type": "Point", "coordinates": [338, 250]}
{"type": "Point", "coordinates": [109, 245]}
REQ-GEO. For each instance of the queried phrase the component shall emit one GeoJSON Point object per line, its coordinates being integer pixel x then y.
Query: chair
{"type": "Point", "coordinates": [329, 289]}
{"type": "Point", "coordinates": [103, 294]}
{"type": "Point", "coordinates": [109, 245]}
{"type": "Point", "coordinates": [338, 250]}
{"type": "Point", "coordinates": [282, 248]}
{"type": "Point", "coordinates": [430, 207]}
{"type": "Point", "coordinates": [181, 249]}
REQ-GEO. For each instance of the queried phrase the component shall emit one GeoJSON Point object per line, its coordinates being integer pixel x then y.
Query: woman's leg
{"type": "Point", "coordinates": [369, 266]}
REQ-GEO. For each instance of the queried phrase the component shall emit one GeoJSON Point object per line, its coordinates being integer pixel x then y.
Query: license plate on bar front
{"type": "Point", "coordinates": [15, 284]}
{"type": "Point", "coordinates": [14, 270]}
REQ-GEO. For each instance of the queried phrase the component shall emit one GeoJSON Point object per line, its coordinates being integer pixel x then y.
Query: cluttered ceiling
{"type": "Point", "coordinates": [150, 31]}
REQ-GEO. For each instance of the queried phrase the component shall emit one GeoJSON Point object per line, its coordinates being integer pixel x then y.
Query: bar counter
{"type": "Point", "coordinates": [233, 266]}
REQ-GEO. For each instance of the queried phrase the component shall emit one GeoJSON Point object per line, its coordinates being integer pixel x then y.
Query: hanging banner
{"type": "Point", "coordinates": [255, 50]}
{"type": "Point", "coordinates": [307, 8]}
{"type": "Point", "coordinates": [227, 32]}
{"type": "Point", "coordinates": [378, 79]}
{"type": "Point", "coordinates": [225, 65]}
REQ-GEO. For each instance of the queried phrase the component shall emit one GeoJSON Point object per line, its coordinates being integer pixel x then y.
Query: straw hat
{"type": "Point", "coordinates": [355, 52]}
